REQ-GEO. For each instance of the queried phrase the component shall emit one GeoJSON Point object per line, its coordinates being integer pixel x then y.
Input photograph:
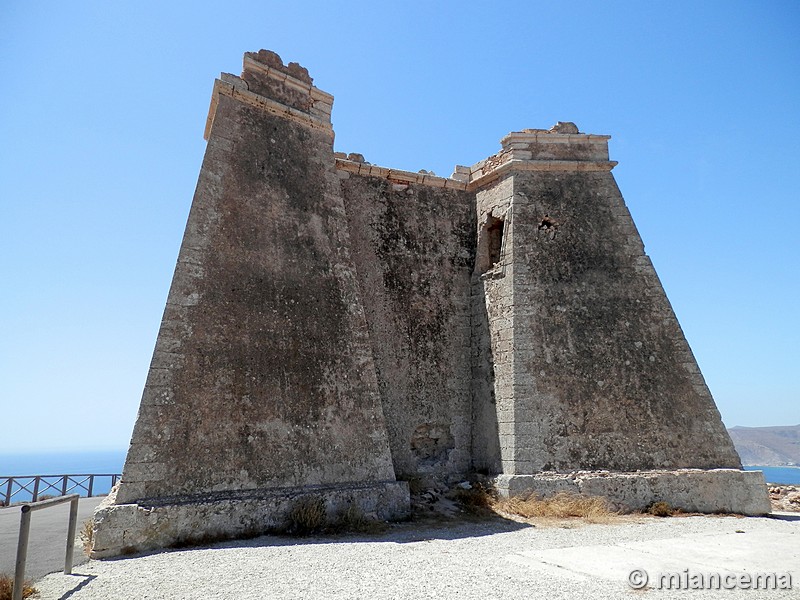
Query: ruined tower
{"type": "Point", "coordinates": [335, 327]}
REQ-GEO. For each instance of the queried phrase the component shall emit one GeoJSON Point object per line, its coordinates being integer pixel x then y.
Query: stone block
{"type": "Point", "coordinates": [691, 490]}
{"type": "Point", "coordinates": [126, 528]}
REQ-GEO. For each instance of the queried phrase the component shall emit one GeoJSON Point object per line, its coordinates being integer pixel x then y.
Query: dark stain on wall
{"type": "Point", "coordinates": [609, 350]}
{"type": "Point", "coordinates": [414, 253]}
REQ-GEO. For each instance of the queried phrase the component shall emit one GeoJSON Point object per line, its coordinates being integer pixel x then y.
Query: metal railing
{"type": "Point", "coordinates": [38, 485]}
{"type": "Point", "coordinates": [24, 534]}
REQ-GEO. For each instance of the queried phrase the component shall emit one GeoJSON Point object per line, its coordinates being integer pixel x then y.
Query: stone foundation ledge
{"type": "Point", "coordinates": [152, 525]}
{"type": "Point", "coordinates": [691, 490]}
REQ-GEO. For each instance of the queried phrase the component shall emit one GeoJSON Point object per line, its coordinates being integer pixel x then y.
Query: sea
{"type": "Point", "coordinates": [59, 463]}
{"type": "Point", "coordinates": [782, 475]}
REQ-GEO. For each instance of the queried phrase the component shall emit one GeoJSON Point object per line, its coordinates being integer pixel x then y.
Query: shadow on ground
{"type": "Point", "coordinates": [415, 530]}
{"type": "Point", "coordinates": [87, 579]}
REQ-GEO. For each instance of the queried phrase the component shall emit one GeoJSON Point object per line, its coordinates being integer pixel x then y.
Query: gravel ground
{"type": "Point", "coordinates": [461, 559]}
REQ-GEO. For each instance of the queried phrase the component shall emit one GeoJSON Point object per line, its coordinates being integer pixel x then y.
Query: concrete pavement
{"type": "Point", "coordinates": [488, 560]}
{"type": "Point", "coordinates": [653, 564]}
{"type": "Point", "coordinates": [48, 537]}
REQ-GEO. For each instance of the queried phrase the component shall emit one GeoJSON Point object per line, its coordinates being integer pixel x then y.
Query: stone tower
{"type": "Point", "coordinates": [591, 369]}
{"type": "Point", "coordinates": [335, 327]}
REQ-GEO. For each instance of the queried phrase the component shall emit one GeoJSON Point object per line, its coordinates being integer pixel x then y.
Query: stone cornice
{"type": "Point", "coordinates": [236, 88]}
{"type": "Point", "coordinates": [397, 175]}
{"type": "Point", "coordinates": [549, 137]}
{"type": "Point", "coordinates": [480, 178]}
{"type": "Point", "coordinates": [477, 179]}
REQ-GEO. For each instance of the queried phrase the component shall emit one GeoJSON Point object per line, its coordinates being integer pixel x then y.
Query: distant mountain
{"type": "Point", "coordinates": [767, 446]}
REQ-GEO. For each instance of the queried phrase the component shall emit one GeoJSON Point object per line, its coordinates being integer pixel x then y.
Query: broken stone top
{"type": "Point", "coordinates": [563, 131]}
{"type": "Point", "coordinates": [271, 59]}
{"type": "Point", "coordinates": [269, 85]}
{"type": "Point", "coordinates": [564, 127]}
{"type": "Point", "coordinates": [560, 127]}
{"type": "Point", "coordinates": [562, 142]}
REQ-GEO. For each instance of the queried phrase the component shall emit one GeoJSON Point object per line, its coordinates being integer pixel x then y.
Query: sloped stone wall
{"type": "Point", "coordinates": [413, 246]}
{"type": "Point", "coordinates": [263, 374]}
{"type": "Point", "coordinates": [601, 367]}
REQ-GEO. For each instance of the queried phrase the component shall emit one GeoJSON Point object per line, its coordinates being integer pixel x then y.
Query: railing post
{"type": "Point", "coordinates": [91, 485]}
{"type": "Point", "coordinates": [8, 491]}
{"type": "Point", "coordinates": [35, 489]}
{"type": "Point", "coordinates": [24, 535]}
{"type": "Point", "coordinates": [73, 522]}
{"type": "Point", "coordinates": [64, 486]}
{"type": "Point", "coordinates": [22, 552]}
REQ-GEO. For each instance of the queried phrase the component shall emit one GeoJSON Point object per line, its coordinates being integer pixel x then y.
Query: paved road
{"type": "Point", "coordinates": [47, 541]}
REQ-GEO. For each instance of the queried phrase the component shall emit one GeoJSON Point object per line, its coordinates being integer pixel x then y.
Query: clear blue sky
{"type": "Point", "coordinates": [102, 112]}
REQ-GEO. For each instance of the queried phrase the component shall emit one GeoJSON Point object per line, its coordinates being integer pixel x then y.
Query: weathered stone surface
{"type": "Point", "coordinates": [334, 324]}
{"type": "Point", "coordinates": [691, 490]}
{"type": "Point", "coordinates": [414, 269]}
{"type": "Point", "coordinates": [125, 528]}
{"type": "Point", "coordinates": [245, 390]}
{"type": "Point", "coordinates": [616, 384]}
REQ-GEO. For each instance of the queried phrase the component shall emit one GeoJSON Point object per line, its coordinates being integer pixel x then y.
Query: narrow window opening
{"type": "Point", "coordinates": [494, 232]}
{"type": "Point", "coordinates": [490, 245]}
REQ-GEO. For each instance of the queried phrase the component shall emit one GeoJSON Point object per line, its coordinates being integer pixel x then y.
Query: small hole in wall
{"type": "Point", "coordinates": [548, 223]}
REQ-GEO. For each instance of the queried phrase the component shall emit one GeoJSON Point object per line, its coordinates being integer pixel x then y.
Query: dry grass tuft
{"type": "Point", "coordinates": [307, 516]}
{"type": "Point", "coordinates": [660, 509]}
{"type": "Point", "coordinates": [86, 535]}
{"type": "Point", "coordinates": [353, 520]}
{"type": "Point", "coordinates": [563, 505]}
{"type": "Point", "coordinates": [478, 500]}
{"type": "Point", "coordinates": [7, 588]}
{"type": "Point", "coordinates": [483, 500]}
